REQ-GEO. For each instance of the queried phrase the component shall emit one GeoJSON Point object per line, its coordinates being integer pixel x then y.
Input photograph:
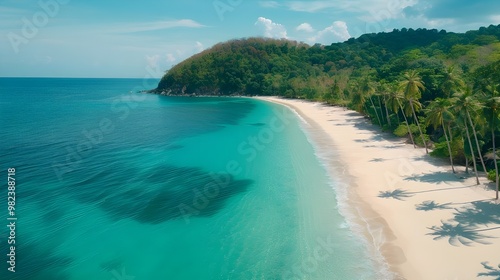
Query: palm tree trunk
{"type": "Point", "coordinates": [380, 105]}
{"type": "Point", "coordinates": [466, 165]}
{"type": "Point", "coordinates": [471, 152]}
{"type": "Point", "coordinates": [376, 113]}
{"type": "Point", "coordinates": [419, 128]}
{"type": "Point", "coordinates": [387, 112]}
{"type": "Point", "coordinates": [477, 142]}
{"type": "Point", "coordinates": [366, 111]}
{"type": "Point", "coordinates": [407, 125]}
{"type": "Point", "coordinates": [449, 148]}
{"type": "Point", "coordinates": [451, 132]}
{"type": "Point", "coordinates": [495, 161]}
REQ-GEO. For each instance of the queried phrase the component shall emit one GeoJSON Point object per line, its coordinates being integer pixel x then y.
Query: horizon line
{"type": "Point", "coordinates": [54, 77]}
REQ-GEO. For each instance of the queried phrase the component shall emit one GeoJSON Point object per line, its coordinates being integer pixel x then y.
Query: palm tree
{"type": "Point", "coordinates": [380, 106]}
{"type": "Point", "coordinates": [438, 112]}
{"type": "Point", "coordinates": [451, 82]}
{"type": "Point", "coordinates": [358, 98]}
{"type": "Point", "coordinates": [472, 104]}
{"type": "Point", "coordinates": [394, 102]}
{"type": "Point", "coordinates": [367, 90]}
{"type": "Point", "coordinates": [471, 150]}
{"type": "Point", "coordinates": [412, 87]}
{"type": "Point", "coordinates": [384, 92]}
{"type": "Point", "coordinates": [492, 112]}
{"type": "Point", "coordinates": [460, 104]}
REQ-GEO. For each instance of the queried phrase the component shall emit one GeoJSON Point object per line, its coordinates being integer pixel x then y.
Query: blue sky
{"type": "Point", "coordinates": [111, 38]}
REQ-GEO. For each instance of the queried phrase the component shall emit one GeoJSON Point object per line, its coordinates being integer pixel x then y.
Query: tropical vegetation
{"type": "Point", "coordinates": [439, 89]}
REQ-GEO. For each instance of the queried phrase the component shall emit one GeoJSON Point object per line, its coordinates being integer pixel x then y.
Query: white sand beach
{"type": "Point", "coordinates": [427, 222]}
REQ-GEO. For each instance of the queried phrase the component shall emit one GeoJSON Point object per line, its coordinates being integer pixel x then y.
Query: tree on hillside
{"type": "Point", "coordinates": [462, 103]}
{"type": "Point", "coordinates": [394, 101]}
{"type": "Point", "coordinates": [472, 105]}
{"type": "Point", "coordinates": [358, 98]}
{"type": "Point", "coordinates": [492, 113]}
{"type": "Point", "coordinates": [385, 93]}
{"type": "Point", "coordinates": [367, 89]}
{"type": "Point", "coordinates": [439, 114]}
{"type": "Point", "coordinates": [412, 87]}
{"type": "Point", "coordinates": [451, 82]}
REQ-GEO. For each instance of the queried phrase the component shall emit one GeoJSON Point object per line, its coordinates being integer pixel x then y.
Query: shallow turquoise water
{"type": "Point", "coordinates": [114, 185]}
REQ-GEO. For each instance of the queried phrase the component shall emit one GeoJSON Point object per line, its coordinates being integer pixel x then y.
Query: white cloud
{"type": "Point", "coordinates": [156, 25]}
{"type": "Point", "coordinates": [199, 46]}
{"type": "Point", "coordinates": [495, 19]}
{"type": "Point", "coordinates": [387, 11]}
{"type": "Point", "coordinates": [355, 6]}
{"type": "Point", "coordinates": [438, 23]}
{"type": "Point", "coordinates": [171, 58]}
{"type": "Point", "coordinates": [153, 60]}
{"type": "Point", "coordinates": [311, 6]}
{"type": "Point", "coordinates": [337, 32]}
{"type": "Point", "coordinates": [269, 4]}
{"type": "Point", "coordinates": [180, 55]}
{"type": "Point", "coordinates": [271, 29]}
{"type": "Point", "coordinates": [305, 27]}
{"type": "Point", "coordinates": [366, 10]}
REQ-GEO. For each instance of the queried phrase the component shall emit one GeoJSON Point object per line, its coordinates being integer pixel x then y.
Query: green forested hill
{"type": "Point", "coordinates": [258, 66]}
{"type": "Point", "coordinates": [438, 89]}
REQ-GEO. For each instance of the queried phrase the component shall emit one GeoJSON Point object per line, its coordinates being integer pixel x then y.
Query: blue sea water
{"type": "Point", "coordinates": [115, 184]}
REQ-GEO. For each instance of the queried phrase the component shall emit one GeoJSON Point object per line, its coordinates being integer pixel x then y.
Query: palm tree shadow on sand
{"type": "Point", "coordinates": [398, 194]}
{"type": "Point", "coordinates": [492, 271]}
{"type": "Point", "coordinates": [458, 234]}
{"type": "Point", "coordinates": [480, 213]}
{"type": "Point", "coordinates": [430, 205]}
{"type": "Point", "coordinates": [437, 177]}
{"type": "Point", "coordinates": [464, 229]}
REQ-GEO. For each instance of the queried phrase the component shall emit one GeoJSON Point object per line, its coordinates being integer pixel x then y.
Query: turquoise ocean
{"type": "Point", "coordinates": [116, 184]}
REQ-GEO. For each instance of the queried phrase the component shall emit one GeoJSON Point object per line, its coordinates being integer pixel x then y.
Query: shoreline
{"type": "Point", "coordinates": [410, 207]}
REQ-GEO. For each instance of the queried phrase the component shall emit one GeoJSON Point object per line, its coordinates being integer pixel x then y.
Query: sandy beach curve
{"type": "Point", "coordinates": [425, 221]}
